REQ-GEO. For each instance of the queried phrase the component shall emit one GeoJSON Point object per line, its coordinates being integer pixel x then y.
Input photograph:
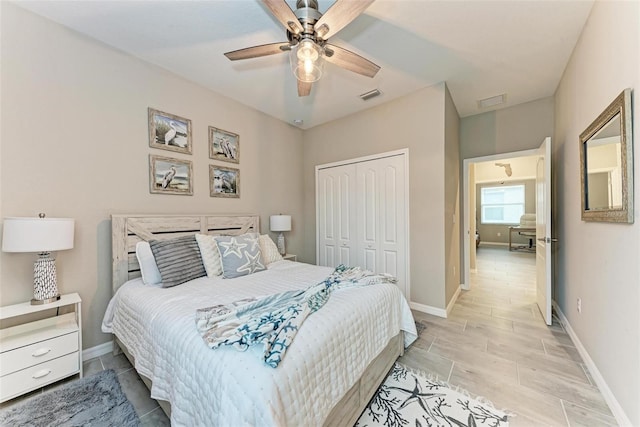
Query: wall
{"type": "Point", "coordinates": [451, 198]}
{"type": "Point", "coordinates": [598, 262]}
{"type": "Point", "coordinates": [521, 168]}
{"type": "Point", "coordinates": [517, 128]}
{"type": "Point", "coordinates": [489, 232]}
{"type": "Point", "coordinates": [416, 122]}
{"type": "Point", "coordinates": [74, 144]}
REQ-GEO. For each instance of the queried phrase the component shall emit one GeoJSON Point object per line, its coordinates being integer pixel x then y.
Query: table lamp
{"type": "Point", "coordinates": [280, 223]}
{"type": "Point", "coordinates": [43, 236]}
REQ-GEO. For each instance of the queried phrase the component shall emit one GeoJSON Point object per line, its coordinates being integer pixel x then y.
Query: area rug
{"type": "Point", "coordinates": [410, 399]}
{"type": "Point", "coordinates": [96, 400]}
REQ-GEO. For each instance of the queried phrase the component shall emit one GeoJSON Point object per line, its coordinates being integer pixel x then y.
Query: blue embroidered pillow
{"type": "Point", "coordinates": [240, 255]}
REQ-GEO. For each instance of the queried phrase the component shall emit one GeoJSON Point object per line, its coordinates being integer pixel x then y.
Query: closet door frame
{"type": "Point", "coordinates": [405, 156]}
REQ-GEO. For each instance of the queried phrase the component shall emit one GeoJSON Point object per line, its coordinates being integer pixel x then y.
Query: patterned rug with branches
{"type": "Point", "coordinates": [410, 399]}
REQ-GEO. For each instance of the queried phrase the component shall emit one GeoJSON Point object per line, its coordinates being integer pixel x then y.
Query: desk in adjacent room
{"type": "Point", "coordinates": [529, 232]}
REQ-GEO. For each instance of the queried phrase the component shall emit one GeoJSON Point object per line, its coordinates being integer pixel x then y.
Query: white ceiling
{"type": "Point", "coordinates": [480, 48]}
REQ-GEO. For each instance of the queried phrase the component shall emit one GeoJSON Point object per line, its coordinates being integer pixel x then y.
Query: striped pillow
{"type": "Point", "coordinates": [178, 260]}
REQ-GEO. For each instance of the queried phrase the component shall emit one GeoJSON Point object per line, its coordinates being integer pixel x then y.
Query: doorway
{"type": "Point", "coordinates": [507, 182]}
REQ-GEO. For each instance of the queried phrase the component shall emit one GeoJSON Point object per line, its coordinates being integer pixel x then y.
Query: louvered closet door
{"type": "Point", "coordinates": [336, 215]}
{"type": "Point", "coordinates": [381, 217]}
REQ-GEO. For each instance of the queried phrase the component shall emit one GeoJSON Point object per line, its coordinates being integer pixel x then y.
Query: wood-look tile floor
{"type": "Point", "coordinates": [495, 344]}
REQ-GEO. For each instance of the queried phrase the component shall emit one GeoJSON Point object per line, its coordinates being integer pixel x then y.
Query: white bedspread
{"type": "Point", "coordinates": [226, 387]}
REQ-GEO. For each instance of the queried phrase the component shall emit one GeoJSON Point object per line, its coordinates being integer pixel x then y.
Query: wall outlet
{"type": "Point", "coordinates": [579, 305]}
{"type": "Point", "coordinates": [499, 234]}
{"type": "Point", "coordinates": [454, 270]}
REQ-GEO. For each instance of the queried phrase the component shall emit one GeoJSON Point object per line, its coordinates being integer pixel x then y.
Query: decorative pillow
{"type": "Point", "coordinates": [210, 254]}
{"type": "Point", "coordinates": [148, 268]}
{"type": "Point", "coordinates": [269, 250]}
{"type": "Point", "coordinates": [178, 260]}
{"type": "Point", "coordinates": [240, 255]}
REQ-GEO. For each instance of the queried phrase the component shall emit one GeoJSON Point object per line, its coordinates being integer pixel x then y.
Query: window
{"type": "Point", "coordinates": [502, 205]}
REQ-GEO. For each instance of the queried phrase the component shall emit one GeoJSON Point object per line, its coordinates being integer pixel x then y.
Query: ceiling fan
{"type": "Point", "coordinates": [308, 31]}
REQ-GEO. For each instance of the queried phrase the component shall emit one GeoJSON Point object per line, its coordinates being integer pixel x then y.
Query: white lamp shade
{"type": "Point", "coordinates": [37, 234]}
{"type": "Point", "coordinates": [280, 222]}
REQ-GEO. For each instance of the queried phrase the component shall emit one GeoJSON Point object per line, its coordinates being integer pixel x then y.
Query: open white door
{"type": "Point", "coordinates": [543, 230]}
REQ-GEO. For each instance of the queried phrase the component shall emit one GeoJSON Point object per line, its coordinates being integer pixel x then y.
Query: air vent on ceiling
{"type": "Point", "coordinates": [493, 101]}
{"type": "Point", "coordinates": [371, 94]}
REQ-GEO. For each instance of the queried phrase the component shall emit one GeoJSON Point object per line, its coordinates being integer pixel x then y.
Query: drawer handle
{"type": "Point", "coordinates": [41, 352]}
{"type": "Point", "coordinates": [42, 373]}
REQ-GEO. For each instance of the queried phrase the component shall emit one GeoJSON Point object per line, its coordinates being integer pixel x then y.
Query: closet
{"type": "Point", "coordinates": [361, 217]}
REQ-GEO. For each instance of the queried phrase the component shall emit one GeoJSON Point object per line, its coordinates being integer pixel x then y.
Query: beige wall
{"type": "Point", "coordinates": [416, 122]}
{"type": "Point", "coordinates": [451, 198]}
{"type": "Point", "coordinates": [74, 144]}
{"type": "Point", "coordinates": [517, 128]}
{"type": "Point", "coordinates": [599, 262]}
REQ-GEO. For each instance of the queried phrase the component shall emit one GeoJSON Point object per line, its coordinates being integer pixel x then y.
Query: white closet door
{"type": "Point", "coordinates": [392, 241]}
{"type": "Point", "coordinates": [368, 211]}
{"type": "Point", "coordinates": [381, 217]}
{"type": "Point", "coordinates": [336, 215]}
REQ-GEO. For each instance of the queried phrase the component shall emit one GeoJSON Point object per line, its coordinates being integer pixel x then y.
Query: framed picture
{"type": "Point", "coordinates": [170, 176]}
{"type": "Point", "coordinates": [169, 132]}
{"type": "Point", "coordinates": [224, 182]}
{"type": "Point", "coordinates": [224, 145]}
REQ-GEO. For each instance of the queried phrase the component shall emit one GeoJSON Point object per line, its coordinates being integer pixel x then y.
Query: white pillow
{"type": "Point", "coordinates": [148, 267]}
{"type": "Point", "coordinates": [269, 250]}
{"type": "Point", "coordinates": [210, 254]}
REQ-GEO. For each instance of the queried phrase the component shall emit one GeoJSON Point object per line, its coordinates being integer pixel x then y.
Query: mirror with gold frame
{"type": "Point", "coordinates": [606, 164]}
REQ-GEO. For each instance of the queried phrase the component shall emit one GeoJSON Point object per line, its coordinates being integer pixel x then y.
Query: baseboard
{"type": "Point", "coordinates": [616, 409]}
{"type": "Point", "coordinates": [428, 309]}
{"type": "Point", "coordinates": [454, 298]}
{"type": "Point", "coordinates": [494, 244]}
{"type": "Point", "coordinates": [97, 351]}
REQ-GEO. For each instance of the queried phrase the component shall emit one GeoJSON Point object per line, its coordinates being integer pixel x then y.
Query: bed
{"type": "Point", "coordinates": [336, 362]}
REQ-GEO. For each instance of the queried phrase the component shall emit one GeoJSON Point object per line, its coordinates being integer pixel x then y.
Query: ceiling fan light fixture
{"type": "Point", "coordinates": [306, 61]}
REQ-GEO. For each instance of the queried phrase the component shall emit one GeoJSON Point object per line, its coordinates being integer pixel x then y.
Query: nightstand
{"type": "Point", "coordinates": [290, 257]}
{"type": "Point", "coordinates": [38, 353]}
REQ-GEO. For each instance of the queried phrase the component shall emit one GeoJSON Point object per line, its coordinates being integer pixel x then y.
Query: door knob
{"type": "Point", "coordinates": [547, 239]}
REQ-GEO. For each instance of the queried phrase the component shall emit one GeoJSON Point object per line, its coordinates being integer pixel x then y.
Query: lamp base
{"type": "Point", "coordinates": [281, 246]}
{"type": "Point", "coordinates": [45, 301]}
{"type": "Point", "coordinates": [45, 283]}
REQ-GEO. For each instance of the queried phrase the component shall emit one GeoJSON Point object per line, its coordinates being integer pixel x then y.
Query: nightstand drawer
{"type": "Point", "coordinates": [30, 355]}
{"type": "Point", "coordinates": [36, 376]}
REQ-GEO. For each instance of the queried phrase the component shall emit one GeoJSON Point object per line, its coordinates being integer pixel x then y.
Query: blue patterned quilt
{"type": "Point", "coordinates": [275, 320]}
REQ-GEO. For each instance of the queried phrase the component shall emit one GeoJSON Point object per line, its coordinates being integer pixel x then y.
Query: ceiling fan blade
{"type": "Point", "coordinates": [350, 61]}
{"type": "Point", "coordinates": [257, 51]}
{"type": "Point", "coordinates": [304, 88]}
{"type": "Point", "coordinates": [283, 13]}
{"type": "Point", "coordinates": [339, 15]}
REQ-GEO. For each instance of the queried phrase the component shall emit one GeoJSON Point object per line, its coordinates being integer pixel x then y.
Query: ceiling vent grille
{"type": "Point", "coordinates": [371, 94]}
{"type": "Point", "coordinates": [493, 101]}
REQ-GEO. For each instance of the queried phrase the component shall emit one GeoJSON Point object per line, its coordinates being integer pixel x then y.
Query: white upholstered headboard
{"type": "Point", "coordinates": [127, 230]}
